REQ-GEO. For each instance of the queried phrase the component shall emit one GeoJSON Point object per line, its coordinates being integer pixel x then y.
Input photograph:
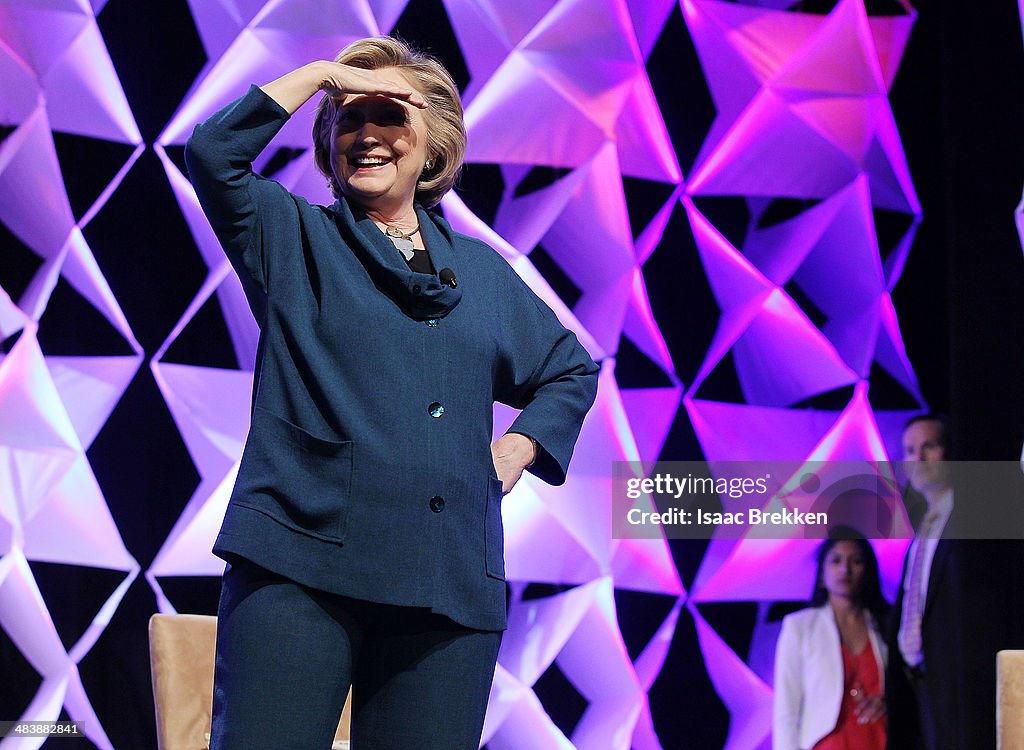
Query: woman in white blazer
{"type": "Point", "coordinates": [830, 658]}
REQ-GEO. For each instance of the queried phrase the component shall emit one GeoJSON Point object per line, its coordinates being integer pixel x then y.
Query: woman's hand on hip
{"type": "Point", "coordinates": [511, 454]}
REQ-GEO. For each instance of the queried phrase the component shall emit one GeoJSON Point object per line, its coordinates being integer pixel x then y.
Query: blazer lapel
{"type": "Point", "coordinates": [940, 561]}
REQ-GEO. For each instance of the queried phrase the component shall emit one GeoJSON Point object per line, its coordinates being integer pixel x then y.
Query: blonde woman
{"type": "Point", "coordinates": [364, 535]}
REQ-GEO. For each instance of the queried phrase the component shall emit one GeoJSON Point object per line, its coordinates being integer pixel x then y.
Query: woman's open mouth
{"type": "Point", "coordinates": [368, 162]}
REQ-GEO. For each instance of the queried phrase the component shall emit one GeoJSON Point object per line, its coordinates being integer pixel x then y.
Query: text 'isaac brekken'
{"type": "Point", "coordinates": [753, 517]}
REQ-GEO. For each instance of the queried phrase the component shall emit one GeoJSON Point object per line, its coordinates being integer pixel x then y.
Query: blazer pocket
{"type": "Point", "coordinates": [494, 536]}
{"type": "Point", "coordinates": [300, 480]}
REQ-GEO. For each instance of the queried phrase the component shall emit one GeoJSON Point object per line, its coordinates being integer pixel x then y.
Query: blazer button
{"type": "Point", "coordinates": [436, 410]}
{"type": "Point", "coordinates": [416, 289]}
{"type": "Point", "coordinates": [437, 503]}
{"type": "Point", "coordinates": [432, 323]}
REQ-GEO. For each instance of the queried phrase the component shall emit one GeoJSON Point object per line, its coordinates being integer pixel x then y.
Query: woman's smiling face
{"type": "Point", "coordinates": [379, 148]}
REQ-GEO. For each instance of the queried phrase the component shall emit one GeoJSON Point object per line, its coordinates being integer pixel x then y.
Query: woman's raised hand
{"type": "Point", "coordinates": [293, 89]}
{"type": "Point", "coordinates": [341, 80]}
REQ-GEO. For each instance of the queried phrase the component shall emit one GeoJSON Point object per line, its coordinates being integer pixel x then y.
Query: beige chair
{"type": "Point", "coordinates": [181, 649]}
{"type": "Point", "coordinates": [1010, 700]}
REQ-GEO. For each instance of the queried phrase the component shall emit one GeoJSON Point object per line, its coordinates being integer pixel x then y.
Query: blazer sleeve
{"type": "Point", "coordinates": [239, 204]}
{"type": "Point", "coordinates": [544, 370]}
{"type": "Point", "coordinates": [787, 703]}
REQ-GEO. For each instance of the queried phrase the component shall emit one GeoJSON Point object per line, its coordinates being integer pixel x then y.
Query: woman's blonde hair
{"type": "Point", "coordinates": [446, 134]}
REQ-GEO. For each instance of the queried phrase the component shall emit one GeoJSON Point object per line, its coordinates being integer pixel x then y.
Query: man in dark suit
{"type": "Point", "coordinates": [956, 606]}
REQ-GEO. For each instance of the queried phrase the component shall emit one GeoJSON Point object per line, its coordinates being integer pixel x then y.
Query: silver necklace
{"type": "Point", "coordinates": [401, 240]}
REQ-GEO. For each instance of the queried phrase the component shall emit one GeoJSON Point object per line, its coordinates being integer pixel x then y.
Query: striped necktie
{"type": "Point", "coordinates": [913, 599]}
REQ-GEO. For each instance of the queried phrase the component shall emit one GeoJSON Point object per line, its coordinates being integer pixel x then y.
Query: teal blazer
{"type": "Point", "coordinates": [367, 469]}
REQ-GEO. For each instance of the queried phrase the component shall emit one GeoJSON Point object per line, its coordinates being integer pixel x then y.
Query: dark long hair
{"type": "Point", "coordinates": [871, 597]}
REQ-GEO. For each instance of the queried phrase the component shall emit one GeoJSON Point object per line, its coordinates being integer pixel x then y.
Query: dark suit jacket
{"type": "Point", "coordinates": [367, 471]}
{"type": "Point", "coordinates": [972, 610]}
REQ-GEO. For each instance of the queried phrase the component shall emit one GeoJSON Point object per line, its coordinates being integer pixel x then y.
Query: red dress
{"type": "Point", "coordinates": [860, 679]}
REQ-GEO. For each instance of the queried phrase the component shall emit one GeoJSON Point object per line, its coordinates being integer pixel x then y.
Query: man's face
{"type": "Point", "coordinates": [924, 453]}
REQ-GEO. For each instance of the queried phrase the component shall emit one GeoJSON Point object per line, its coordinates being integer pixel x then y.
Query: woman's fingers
{"type": "Point", "coordinates": [413, 97]}
{"type": "Point", "coordinates": [870, 709]}
{"type": "Point", "coordinates": [511, 453]}
{"type": "Point", "coordinates": [509, 471]}
{"type": "Point", "coordinates": [293, 89]}
{"type": "Point", "coordinates": [344, 80]}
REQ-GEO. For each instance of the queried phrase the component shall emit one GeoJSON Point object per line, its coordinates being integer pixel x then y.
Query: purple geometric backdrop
{"type": "Point", "coordinates": [56, 76]}
{"type": "Point", "coordinates": [802, 121]}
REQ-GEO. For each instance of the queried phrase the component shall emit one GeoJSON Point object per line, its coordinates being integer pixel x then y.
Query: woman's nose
{"type": "Point", "coordinates": [368, 132]}
{"type": "Point", "coordinates": [367, 135]}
